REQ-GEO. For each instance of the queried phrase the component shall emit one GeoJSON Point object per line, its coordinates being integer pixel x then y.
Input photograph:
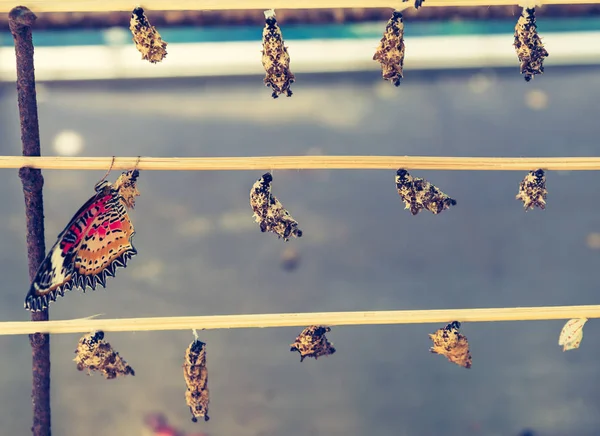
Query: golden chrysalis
{"type": "Point", "coordinates": [528, 44]}
{"type": "Point", "coordinates": [313, 343]}
{"type": "Point", "coordinates": [532, 190]}
{"type": "Point", "coordinates": [269, 212]}
{"type": "Point", "coordinates": [94, 354]}
{"type": "Point", "coordinates": [196, 380]}
{"type": "Point", "coordinates": [275, 58]}
{"type": "Point", "coordinates": [419, 194]}
{"type": "Point", "coordinates": [146, 37]}
{"type": "Point", "coordinates": [390, 53]}
{"type": "Point", "coordinates": [448, 342]}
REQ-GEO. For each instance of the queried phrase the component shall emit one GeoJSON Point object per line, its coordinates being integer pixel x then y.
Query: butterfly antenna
{"type": "Point", "coordinates": [195, 334]}
{"type": "Point", "coordinates": [137, 162]}
{"type": "Point", "coordinates": [108, 172]}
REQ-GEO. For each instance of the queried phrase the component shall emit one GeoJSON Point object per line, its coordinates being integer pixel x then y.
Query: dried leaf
{"type": "Point", "coordinates": [571, 334]}
{"type": "Point", "coordinates": [196, 380]}
{"type": "Point", "coordinates": [529, 46]}
{"type": "Point", "coordinates": [390, 53]}
{"type": "Point", "coordinates": [94, 354]}
{"type": "Point", "coordinates": [269, 212]}
{"type": "Point", "coordinates": [448, 342]}
{"type": "Point", "coordinates": [532, 190]}
{"type": "Point", "coordinates": [419, 194]}
{"type": "Point", "coordinates": [275, 58]}
{"type": "Point", "coordinates": [146, 37]}
{"type": "Point", "coordinates": [313, 343]}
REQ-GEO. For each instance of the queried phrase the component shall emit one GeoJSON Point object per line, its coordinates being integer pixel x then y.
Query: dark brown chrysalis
{"type": "Point", "coordinates": [532, 190]}
{"type": "Point", "coordinates": [390, 53]}
{"type": "Point", "coordinates": [419, 194]}
{"type": "Point", "coordinates": [94, 354]}
{"type": "Point", "coordinates": [196, 380]}
{"type": "Point", "coordinates": [146, 37]}
{"type": "Point", "coordinates": [529, 46]}
{"type": "Point", "coordinates": [313, 343]}
{"type": "Point", "coordinates": [448, 342]}
{"type": "Point", "coordinates": [269, 212]}
{"type": "Point", "coordinates": [275, 58]}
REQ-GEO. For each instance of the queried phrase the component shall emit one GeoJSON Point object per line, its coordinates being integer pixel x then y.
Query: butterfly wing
{"type": "Point", "coordinates": [95, 242]}
{"type": "Point", "coordinates": [105, 247]}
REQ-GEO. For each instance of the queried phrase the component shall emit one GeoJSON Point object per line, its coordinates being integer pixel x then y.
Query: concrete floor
{"type": "Point", "coordinates": [200, 253]}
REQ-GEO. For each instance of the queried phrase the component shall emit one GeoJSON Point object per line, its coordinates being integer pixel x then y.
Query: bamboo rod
{"type": "Point", "coordinates": [85, 325]}
{"type": "Point", "coordinates": [305, 162]}
{"type": "Point", "coordinates": [170, 5]}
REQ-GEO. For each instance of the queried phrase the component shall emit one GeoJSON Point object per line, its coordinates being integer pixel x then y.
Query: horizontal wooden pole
{"type": "Point", "coordinates": [301, 319]}
{"type": "Point", "coordinates": [169, 5]}
{"type": "Point", "coordinates": [267, 163]}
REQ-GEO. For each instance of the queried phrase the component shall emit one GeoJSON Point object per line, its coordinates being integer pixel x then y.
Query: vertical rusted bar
{"type": "Point", "coordinates": [20, 20]}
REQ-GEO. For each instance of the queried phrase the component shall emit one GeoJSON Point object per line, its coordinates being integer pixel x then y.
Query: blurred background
{"type": "Point", "coordinates": [200, 252]}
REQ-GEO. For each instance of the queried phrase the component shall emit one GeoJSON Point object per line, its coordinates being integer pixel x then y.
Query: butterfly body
{"type": "Point", "coordinates": [96, 242]}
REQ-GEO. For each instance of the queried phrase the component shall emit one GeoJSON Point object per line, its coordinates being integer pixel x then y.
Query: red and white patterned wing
{"type": "Point", "coordinates": [96, 242]}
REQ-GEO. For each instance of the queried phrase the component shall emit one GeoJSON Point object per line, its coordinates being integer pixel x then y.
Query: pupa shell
{"type": "Point", "coordinates": [571, 334]}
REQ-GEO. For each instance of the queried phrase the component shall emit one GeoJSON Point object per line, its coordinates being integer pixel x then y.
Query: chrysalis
{"type": "Point", "coordinates": [532, 190]}
{"type": "Point", "coordinates": [146, 37]}
{"type": "Point", "coordinates": [390, 53]}
{"type": "Point", "coordinates": [571, 334]}
{"type": "Point", "coordinates": [528, 44]}
{"type": "Point", "coordinates": [269, 212]}
{"type": "Point", "coordinates": [275, 58]}
{"type": "Point", "coordinates": [196, 380]}
{"type": "Point", "coordinates": [94, 354]}
{"type": "Point", "coordinates": [448, 342]}
{"type": "Point", "coordinates": [313, 343]}
{"type": "Point", "coordinates": [419, 194]}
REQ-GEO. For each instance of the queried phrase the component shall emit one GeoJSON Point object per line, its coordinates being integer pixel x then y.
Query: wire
{"type": "Point", "coordinates": [170, 5]}
{"type": "Point", "coordinates": [305, 163]}
{"type": "Point", "coordinates": [86, 325]}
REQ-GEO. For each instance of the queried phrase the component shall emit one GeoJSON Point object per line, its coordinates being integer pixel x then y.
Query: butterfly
{"type": "Point", "coordinates": [96, 242]}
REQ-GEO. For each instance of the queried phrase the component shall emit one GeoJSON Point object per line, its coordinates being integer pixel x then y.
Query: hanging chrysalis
{"type": "Point", "coordinates": [275, 58]}
{"type": "Point", "coordinates": [528, 44]}
{"type": "Point", "coordinates": [571, 334]}
{"type": "Point", "coordinates": [94, 354]}
{"type": "Point", "coordinates": [390, 53]}
{"type": "Point", "coordinates": [146, 37]}
{"type": "Point", "coordinates": [419, 194]}
{"type": "Point", "coordinates": [313, 343]}
{"type": "Point", "coordinates": [196, 380]}
{"type": "Point", "coordinates": [532, 190]}
{"type": "Point", "coordinates": [448, 342]}
{"type": "Point", "coordinates": [269, 212]}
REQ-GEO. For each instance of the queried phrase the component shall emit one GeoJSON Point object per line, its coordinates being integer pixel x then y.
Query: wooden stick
{"type": "Point", "coordinates": [170, 5]}
{"type": "Point", "coordinates": [305, 163]}
{"type": "Point", "coordinates": [301, 319]}
{"type": "Point", "coordinates": [20, 22]}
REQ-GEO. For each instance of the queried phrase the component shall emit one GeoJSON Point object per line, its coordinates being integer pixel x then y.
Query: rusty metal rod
{"type": "Point", "coordinates": [20, 20]}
